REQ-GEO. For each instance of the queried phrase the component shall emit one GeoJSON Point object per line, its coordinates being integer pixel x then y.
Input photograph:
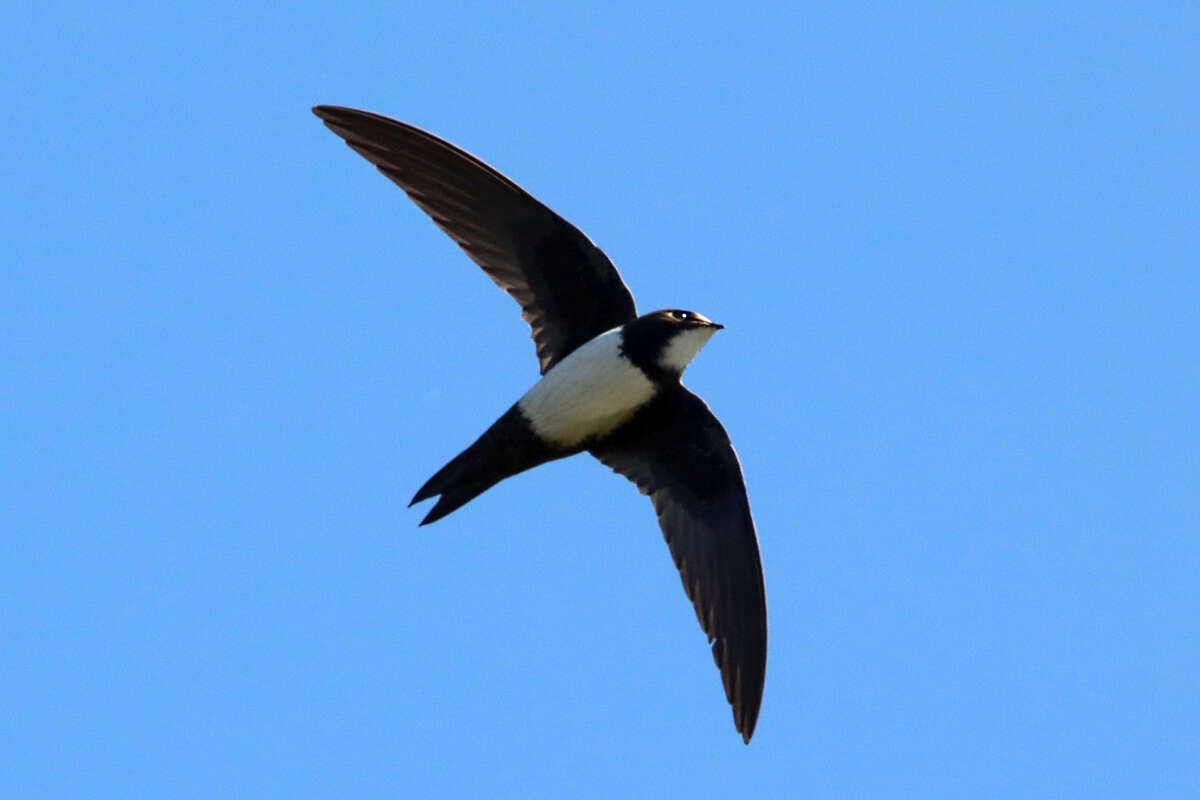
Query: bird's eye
{"type": "Point", "coordinates": [681, 315]}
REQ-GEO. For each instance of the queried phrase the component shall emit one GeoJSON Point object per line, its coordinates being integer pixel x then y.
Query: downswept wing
{"type": "Point", "coordinates": [677, 452]}
{"type": "Point", "coordinates": [568, 289]}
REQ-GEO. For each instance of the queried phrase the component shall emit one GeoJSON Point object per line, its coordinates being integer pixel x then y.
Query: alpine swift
{"type": "Point", "coordinates": [610, 386]}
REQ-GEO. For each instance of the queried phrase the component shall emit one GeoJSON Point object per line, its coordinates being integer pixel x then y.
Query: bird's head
{"type": "Point", "coordinates": [666, 341]}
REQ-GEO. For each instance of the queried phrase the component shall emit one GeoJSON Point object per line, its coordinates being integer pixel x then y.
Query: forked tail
{"type": "Point", "coordinates": [508, 447]}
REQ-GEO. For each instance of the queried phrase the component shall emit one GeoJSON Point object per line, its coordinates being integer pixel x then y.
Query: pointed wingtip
{"type": "Point", "coordinates": [745, 720]}
{"type": "Point", "coordinates": [328, 114]}
{"type": "Point", "coordinates": [747, 731]}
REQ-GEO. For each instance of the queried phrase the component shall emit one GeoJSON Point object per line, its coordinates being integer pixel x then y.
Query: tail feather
{"type": "Point", "coordinates": [509, 446]}
{"type": "Point", "coordinates": [458, 482]}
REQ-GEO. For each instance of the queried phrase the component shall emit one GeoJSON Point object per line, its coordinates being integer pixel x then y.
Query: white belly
{"type": "Point", "coordinates": [588, 393]}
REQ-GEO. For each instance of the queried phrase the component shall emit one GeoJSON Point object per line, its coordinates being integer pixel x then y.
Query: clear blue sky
{"type": "Point", "coordinates": [956, 251]}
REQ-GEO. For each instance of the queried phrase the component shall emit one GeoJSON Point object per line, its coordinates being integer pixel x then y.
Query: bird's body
{"type": "Point", "coordinates": [587, 394]}
{"type": "Point", "coordinates": [610, 386]}
{"type": "Point", "coordinates": [582, 402]}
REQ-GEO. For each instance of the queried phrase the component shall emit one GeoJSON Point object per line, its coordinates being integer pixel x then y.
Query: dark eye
{"type": "Point", "coordinates": [681, 315]}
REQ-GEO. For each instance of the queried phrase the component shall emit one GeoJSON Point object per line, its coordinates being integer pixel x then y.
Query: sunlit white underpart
{"type": "Point", "coordinates": [684, 346]}
{"type": "Point", "coordinates": [588, 393]}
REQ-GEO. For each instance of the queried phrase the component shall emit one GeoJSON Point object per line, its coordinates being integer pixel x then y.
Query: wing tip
{"type": "Point", "coordinates": [743, 688]}
{"type": "Point", "coordinates": [745, 723]}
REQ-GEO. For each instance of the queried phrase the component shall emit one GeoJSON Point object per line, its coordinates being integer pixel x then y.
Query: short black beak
{"type": "Point", "coordinates": [717, 325]}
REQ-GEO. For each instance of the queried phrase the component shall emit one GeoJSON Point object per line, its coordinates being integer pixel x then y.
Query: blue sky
{"type": "Point", "coordinates": [955, 249]}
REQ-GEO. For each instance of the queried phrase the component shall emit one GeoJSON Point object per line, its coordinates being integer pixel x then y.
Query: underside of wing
{"type": "Point", "coordinates": [677, 452]}
{"type": "Point", "coordinates": [568, 289]}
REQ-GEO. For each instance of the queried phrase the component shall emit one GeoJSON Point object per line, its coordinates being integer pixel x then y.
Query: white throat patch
{"type": "Point", "coordinates": [683, 347]}
{"type": "Point", "coordinates": [588, 393]}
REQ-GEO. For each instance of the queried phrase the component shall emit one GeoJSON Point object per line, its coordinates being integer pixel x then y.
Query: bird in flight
{"type": "Point", "coordinates": [610, 386]}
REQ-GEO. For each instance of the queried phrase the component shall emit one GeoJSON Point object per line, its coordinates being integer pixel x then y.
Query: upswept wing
{"type": "Point", "coordinates": [568, 289]}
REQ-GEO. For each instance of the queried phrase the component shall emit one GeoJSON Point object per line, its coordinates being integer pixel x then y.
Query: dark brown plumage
{"type": "Point", "coordinates": [567, 288]}
{"type": "Point", "coordinates": [678, 453]}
